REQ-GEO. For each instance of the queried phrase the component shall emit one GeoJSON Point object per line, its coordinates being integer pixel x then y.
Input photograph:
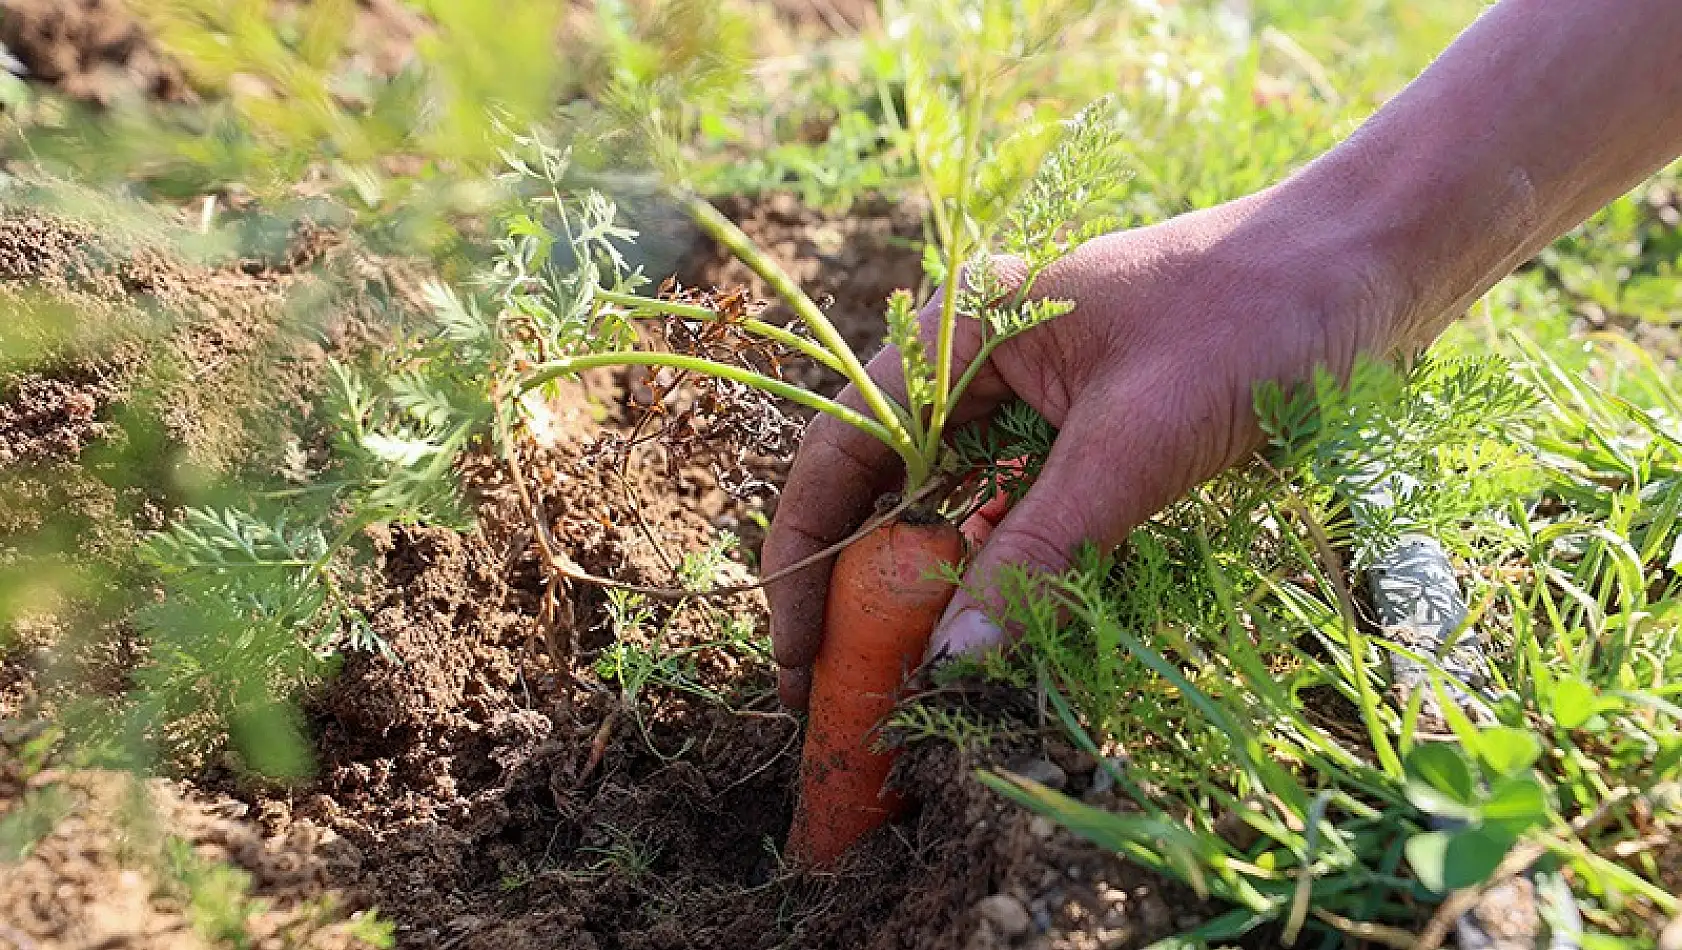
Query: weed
{"type": "Point", "coordinates": [624, 855]}
{"type": "Point", "coordinates": [699, 570]}
{"type": "Point", "coordinates": [31, 819]}
{"type": "Point", "coordinates": [215, 894]}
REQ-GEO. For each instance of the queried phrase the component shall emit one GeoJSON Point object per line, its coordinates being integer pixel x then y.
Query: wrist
{"type": "Point", "coordinates": [1413, 239]}
{"type": "Point", "coordinates": [1357, 294]}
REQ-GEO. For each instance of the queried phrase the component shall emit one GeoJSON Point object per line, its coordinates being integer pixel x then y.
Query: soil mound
{"type": "Point", "coordinates": [109, 861]}
{"type": "Point", "coordinates": [91, 49]}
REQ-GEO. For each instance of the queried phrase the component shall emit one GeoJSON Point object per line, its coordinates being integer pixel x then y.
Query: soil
{"type": "Point", "coordinates": [99, 875]}
{"type": "Point", "coordinates": [91, 49]}
{"type": "Point", "coordinates": [484, 785]}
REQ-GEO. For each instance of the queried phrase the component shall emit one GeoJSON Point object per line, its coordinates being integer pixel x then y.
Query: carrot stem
{"type": "Point", "coordinates": [555, 369]}
{"type": "Point", "coordinates": [769, 331]}
{"type": "Point", "coordinates": [918, 465]}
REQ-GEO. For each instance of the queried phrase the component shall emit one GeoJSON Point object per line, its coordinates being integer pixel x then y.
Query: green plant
{"type": "Point", "coordinates": [256, 610]}
{"type": "Point", "coordinates": [1021, 196]}
{"type": "Point", "coordinates": [220, 906]}
{"type": "Point", "coordinates": [639, 658]}
{"type": "Point", "coordinates": [34, 817]}
{"type": "Point", "coordinates": [284, 101]}
{"type": "Point", "coordinates": [215, 893]}
{"type": "Point", "coordinates": [1202, 657]}
{"type": "Point", "coordinates": [624, 854]}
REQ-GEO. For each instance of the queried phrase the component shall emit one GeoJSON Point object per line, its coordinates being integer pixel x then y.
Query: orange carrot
{"type": "Point", "coordinates": [885, 598]}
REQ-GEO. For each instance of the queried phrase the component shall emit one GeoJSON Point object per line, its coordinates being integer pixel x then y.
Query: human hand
{"type": "Point", "coordinates": [1149, 382]}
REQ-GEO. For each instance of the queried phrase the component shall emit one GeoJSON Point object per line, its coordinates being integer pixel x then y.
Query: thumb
{"type": "Point", "coordinates": [1040, 534]}
{"type": "Point", "coordinates": [1104, 477]}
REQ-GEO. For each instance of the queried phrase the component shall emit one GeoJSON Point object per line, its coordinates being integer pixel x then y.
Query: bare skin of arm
{"type": "Point", "coordinates": [1540, 113]}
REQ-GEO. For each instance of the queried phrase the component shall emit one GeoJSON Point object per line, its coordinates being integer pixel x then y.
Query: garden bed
{"type": "Point", "coordinates": [463, 787]}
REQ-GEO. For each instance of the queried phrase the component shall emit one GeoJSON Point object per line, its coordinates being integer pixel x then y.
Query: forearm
{"type": "Point", "coordinates": [1540, 113]}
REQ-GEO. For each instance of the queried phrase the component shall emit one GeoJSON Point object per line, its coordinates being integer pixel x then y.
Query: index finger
{"type": "Point", "coordinates": [837, 477]}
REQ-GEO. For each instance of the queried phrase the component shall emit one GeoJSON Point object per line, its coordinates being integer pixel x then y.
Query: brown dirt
{"type": "Point", "coordinates": [105, 316]}
{"type": "Point", "coordinates": [131, 382]}
{"type": "Point", "coordinates": [90, 49]}
{"type": "Point", "coordinates": [96, 872]}
{"type": "Point", "coordinates": [463, 773]}
{"type": "Point", "coordinates": [485, 786]}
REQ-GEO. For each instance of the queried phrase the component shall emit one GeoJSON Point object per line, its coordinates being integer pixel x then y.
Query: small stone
{"type": "Point", "coordinates": [230, 809]}
{"type": "Point", "coordinates": [984, 937]}
{"type": "Point", "coordinates": [1102, 782]}
{"type": "Point", "coordinates": [1078, 762]}
{"type": "Point", "coordinates": [1116, 938]}
{"type": "Point", "coordinates": [1154, 913]}
{"type": "Point", "coordinates": [1043, 771]}
{"type": "Point", "coordinates": [1005, 913]}
{"type": "Point", "coordinates": [1042, 827]}
{"type": "Point", "coordinates": [1042, 917]}
{"type": "Point", "coordinates": [1671, 937]}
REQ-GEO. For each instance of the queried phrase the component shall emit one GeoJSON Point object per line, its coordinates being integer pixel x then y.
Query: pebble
{"type": "Point", "coordinates": [1115, 939]}
{"type": "Point", "coordinates": [1077, 762]}
{"type": "Point", "coordinates": [1154, 912]}
{"type": "Point", "coordinates": [1042, 827]}
{"type": "Point", "coordinates": [1043, 771]}
{"type": "Point", "coordinates": [1005, 913]}
{"type": "Point", "coordinates": [1102, 783]}
{"type": "Point", "coordinates": [1671, 937]}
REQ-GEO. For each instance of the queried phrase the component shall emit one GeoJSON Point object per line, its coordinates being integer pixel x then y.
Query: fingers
{"type": "Point", "coordinates": [1040, 533]}
{"type": "Point", "coordinates": [1106, 473]}
{"type": "Point", "coordinates": [832, 488]}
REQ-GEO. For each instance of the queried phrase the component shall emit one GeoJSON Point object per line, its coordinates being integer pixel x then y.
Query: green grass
{"type": "Point", "coordinates": [1217, 657]}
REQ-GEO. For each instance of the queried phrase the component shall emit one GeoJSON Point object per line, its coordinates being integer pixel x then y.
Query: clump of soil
{"type": "Point", "coordinates": [91, 49]}
{"type": "Point", "coordinates": [105, 316]}
{"type": "Point", "coordinates": [108, 861]}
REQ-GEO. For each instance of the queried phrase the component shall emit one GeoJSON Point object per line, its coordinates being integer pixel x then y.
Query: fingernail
{"type": "Point", "coordinates": [969, 632]}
